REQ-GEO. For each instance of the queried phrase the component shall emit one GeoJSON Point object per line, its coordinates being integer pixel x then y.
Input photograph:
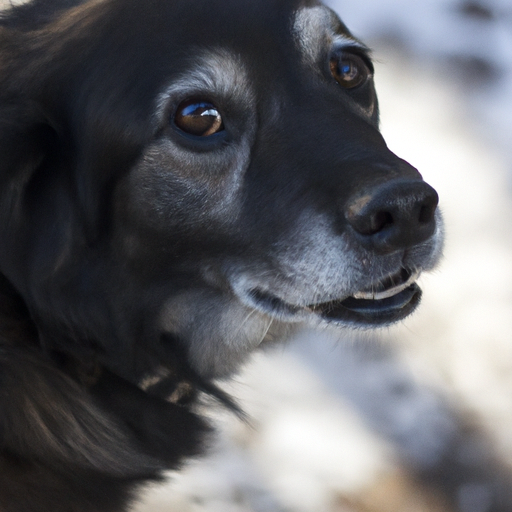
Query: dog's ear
{"type": "Point", "coordinates": [33, 147]}
{"type": "Point", "coordinates": [26, 137]}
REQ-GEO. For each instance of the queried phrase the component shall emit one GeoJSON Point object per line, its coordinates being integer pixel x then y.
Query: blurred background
{"type": "Point", "coordinates": [417, 418]}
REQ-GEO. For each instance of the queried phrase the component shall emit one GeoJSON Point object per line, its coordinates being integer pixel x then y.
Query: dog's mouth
{"type": "Point", "coordinates": [387, 301]}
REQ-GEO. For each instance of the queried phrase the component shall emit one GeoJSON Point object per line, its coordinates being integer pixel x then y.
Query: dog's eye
{"type": "Point", "coordinates": [349, 70]}
{"type": "Point", "coordinates": [199, 118]}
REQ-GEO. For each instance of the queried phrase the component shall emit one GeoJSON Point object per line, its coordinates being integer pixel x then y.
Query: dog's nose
{"type": "Point", "coordinates": [394, 215]}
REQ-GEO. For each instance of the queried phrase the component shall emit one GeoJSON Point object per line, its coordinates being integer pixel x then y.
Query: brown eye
{"type": "Point", "coordinates": [199, 118]}
{"type": "Point", "coordinates": [349, 70]}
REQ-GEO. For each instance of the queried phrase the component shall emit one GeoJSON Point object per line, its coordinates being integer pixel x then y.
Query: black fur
{"type": "Point", "coordinates": [139, 262]}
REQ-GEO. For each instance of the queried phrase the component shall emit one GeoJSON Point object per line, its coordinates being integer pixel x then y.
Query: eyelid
{"type": "Point", "coordinates": [354, 48]}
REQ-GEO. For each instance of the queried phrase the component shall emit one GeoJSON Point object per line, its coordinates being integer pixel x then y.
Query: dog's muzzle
{"type": "Point", "coordinates": [392, 227]}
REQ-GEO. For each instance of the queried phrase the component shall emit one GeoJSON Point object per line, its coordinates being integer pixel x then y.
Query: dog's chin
{"type": "Point", "coordinates": [383, 303]}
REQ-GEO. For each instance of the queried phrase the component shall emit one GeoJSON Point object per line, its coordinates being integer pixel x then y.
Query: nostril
{"type": "Point", "coordinates": [379, 221]}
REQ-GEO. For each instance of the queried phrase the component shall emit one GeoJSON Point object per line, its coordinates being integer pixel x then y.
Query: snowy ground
{"type": "Point", "coordinates": [417, 418]}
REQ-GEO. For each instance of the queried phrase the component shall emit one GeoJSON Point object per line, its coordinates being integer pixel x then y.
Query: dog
{"type": "Point", "coordinates": [180, 183]}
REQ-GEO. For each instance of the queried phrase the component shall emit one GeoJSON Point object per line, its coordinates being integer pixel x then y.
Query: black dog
{"type": "Point", "coordinates": [180, 181]}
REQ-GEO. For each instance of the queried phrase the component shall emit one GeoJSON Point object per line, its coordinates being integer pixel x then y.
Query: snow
{"type": "Point", "coordinates": [466, 42]}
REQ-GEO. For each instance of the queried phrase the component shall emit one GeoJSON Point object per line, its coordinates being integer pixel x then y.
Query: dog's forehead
{"type": "Point", "coordinates": [315, 28]}
{"type": "Point", "coordinates": [311, 29]}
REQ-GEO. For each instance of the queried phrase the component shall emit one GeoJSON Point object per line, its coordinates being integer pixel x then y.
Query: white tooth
{"type": "Point", "coordinates": [387, 293]}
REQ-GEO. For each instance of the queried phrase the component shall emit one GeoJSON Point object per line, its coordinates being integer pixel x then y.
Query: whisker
{"type": "Point", "coordinates": [266, 331]}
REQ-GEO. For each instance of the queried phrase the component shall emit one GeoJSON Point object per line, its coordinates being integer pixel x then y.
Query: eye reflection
{"type": "Point", "coordinates": [199, 118]}
{"type": "Point", "coordinates": [349, 70]}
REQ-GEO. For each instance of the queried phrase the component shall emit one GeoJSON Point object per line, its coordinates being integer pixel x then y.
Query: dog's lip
{"type": "Point", "coordinates": [391, 285]}
{"type": "Point", "coordinates": [388, 300]}
{"type": "Point", "coordinates": [385, 310]}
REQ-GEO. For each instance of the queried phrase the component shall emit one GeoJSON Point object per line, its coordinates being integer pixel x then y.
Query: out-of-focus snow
{"type": "Point", "coordinates": [448, 28]}
{"type": "Point", "coordinates": [468, 42]}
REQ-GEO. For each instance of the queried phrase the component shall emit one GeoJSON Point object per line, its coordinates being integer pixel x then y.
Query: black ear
{"type": "Point", "coordinates": [26, 137]}
{"type": "Point", "coordinates": [34, 147]}
{"type": "Point", "coordinates": [26, 140]}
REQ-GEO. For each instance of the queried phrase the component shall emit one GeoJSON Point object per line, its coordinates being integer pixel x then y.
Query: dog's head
{"type": "Point", "coordinates": [198, 175]}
